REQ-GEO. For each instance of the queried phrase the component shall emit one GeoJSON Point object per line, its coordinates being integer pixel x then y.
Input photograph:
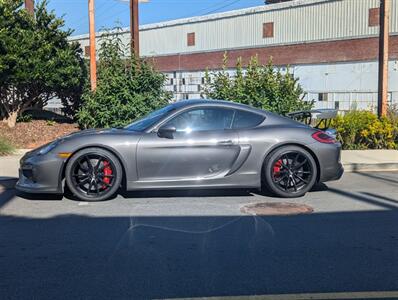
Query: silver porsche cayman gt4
{"type": "Point", "coordinates": [188, 144]}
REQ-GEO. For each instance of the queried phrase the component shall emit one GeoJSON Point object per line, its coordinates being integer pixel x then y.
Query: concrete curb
{"type": "Point", "coordinates": [363, 167]}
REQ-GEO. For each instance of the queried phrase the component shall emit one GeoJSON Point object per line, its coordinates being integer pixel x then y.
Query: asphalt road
{"type": "Point", "coordinates": [198, 244]}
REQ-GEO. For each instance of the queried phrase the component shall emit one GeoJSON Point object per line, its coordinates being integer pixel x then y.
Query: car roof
{"type": "Point", "coordinates": [191, 102]}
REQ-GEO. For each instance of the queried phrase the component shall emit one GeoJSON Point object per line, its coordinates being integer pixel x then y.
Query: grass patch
{"type": "Point", "coordinates": [5, 147]}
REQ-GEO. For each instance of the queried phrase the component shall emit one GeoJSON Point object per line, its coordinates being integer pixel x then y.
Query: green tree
{"type": "Point", "coordinates": [127, 88]}
{"type": "Point", "coordinates": [264, 87]}
{"type": "Point", "coordinates": [37, 62]}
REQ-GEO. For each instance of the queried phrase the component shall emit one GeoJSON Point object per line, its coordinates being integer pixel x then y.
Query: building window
{"type": "Point", "coordinates": [323, 97]}
{"type": "Point", "coordinates": [337, 105]}
{"type": "Point", "coordinates": [268, 30]}
{"type": "Point", "coordinates": [191, 39]}
{"type": "Point", "coordinates": [374, 17]}
{"type": "Point", "coordinates": [87, 51]}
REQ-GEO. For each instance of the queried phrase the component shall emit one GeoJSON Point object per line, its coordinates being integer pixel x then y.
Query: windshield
{"type": "Point", "coordinates": [150, 120]}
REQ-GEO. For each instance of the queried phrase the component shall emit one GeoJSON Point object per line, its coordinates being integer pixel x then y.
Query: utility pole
{"type": "Point", "coordinates": [93, 59]}
{"type": "Point", "coordinates": [30, 6]}
{"type": "Point", "coordinates": [134, 28]}
{"type": "Point", "coordinates": [383, 57]}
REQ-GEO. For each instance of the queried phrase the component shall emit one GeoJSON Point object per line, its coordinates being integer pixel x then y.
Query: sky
{"type": "Point", "coordinates": [109, 13]}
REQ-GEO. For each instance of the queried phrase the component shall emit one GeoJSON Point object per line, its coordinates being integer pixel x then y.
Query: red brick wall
{"type": "Point", "coordinates": [365, 49]}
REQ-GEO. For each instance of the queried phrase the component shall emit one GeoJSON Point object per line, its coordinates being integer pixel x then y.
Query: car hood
{"type": "Point", "coordinates": [97, 132]}
{"type": "Point", "coordinates": [86, 133]}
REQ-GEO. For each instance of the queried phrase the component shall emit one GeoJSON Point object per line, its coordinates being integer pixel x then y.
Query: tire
{"type": "Point", "coordinates": [289, 172]}
{"type": "Point", "coordinates": [93, 174]}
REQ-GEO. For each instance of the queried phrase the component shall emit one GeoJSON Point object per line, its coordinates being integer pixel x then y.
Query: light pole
{"type": "Point", "coordinates": [93, 59]}
{"type": "Point", "coordinates": [30, 6]}
{"type": "Point", "coordinates": [134, 25]}
{"type": "Point", "coordinates": [383, 57]}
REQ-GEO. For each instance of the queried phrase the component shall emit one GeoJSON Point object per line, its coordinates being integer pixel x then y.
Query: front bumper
{"type": "Point", "coordinates": [40, 174]}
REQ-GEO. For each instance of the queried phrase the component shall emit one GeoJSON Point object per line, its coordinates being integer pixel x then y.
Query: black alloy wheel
{"type": "Point", "coordinates": [93, 174]}
{"type": "Point", "coordinates": [290, 171]}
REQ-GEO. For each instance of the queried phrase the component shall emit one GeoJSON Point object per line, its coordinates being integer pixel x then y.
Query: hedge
{"type": "Point", "coordinates": [358, 130]}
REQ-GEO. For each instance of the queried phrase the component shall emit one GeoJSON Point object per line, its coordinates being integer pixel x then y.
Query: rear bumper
{"type": "Point", "coordinates": [329, 159]}
{"type": "Point", "coordinates": [40, 174]}
{"type": "Point", "coordinates": [333, 174]}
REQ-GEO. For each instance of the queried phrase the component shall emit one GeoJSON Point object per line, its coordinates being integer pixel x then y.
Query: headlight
{"type": "Point", "coordinates": [48, 147]}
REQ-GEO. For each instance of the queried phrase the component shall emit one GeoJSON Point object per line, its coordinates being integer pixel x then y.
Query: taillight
{"type": "Point", "coordinates": [323, 137]}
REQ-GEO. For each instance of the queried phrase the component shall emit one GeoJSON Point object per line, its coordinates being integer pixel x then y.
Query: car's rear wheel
{"type": "Point", "coordinates": [93, 174]}
{"type": "Point", "coordinates": [289, 171]}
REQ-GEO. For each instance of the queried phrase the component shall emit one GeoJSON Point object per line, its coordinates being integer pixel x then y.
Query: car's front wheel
{"type": "Point", "coordinates": [289, 171]}
{"type": "Point", "coordinates": [93, 174]}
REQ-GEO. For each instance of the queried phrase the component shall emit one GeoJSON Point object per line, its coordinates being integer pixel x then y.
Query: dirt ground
{"type": "Point", "coordinates": [33, 134]}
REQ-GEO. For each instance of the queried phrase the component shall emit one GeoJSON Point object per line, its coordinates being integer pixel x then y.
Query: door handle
{"type": "Point", "coordinates": [226, 143]}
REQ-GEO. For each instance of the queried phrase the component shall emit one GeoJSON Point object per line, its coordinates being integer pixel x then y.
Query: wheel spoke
{"type": "Point", "coordinates": [296, 159]}
{"type": "Point", "coordinates": [81, 176]}
{"type": "Point", "coordinates": [83, 182]}
{"type": "Point", "coordinates": [96, 186]}
{"type": "Point", "coordinates": [281, 178]}
{"type": "Point", "coordinates": [97, 166]}
{"type": "Point", "coordinates": [84, 169]}
{"type": "Point", "coordinates": [286, 187]}
{"type": "Point", "coordinates": [301, 164]}
{"type": "Point", "coordinates": [300, 178]}
{"type": "Point", "coordinates": [89, 187]}
{"type": "Point", "coordinates": [89, 165]}
{"type": "Point", "coordinates": [294, 184]}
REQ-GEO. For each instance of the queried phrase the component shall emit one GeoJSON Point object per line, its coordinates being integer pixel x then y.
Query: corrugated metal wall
{"type": "Point", "coordinates": [304, 21]}
{"type": "Point", "coordinates": [316, 21]}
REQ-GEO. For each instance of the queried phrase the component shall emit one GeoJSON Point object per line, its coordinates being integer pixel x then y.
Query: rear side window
{"type": "Point", "coordinates": [245, 119]}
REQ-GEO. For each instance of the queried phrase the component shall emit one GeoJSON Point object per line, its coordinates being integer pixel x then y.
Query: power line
{"type": "Point", "coordinates": [226, 5]}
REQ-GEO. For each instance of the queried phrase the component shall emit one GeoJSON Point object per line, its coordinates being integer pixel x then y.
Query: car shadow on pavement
{"type": "Point", "coordinates": [188, 193]}
{"type": "Point", "coordinates": [41, 197]}
{"type": "Point", "coordinates": [382, 177]}
{"type": "Point", "coordinates": [129, 257]}
{"type": "Point", "coordinates": [6, 189]}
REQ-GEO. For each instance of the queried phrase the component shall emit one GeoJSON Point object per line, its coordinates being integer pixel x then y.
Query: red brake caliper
{"type": "Point", "coordinates": [277, 168]}
{"type": "Point", "coordinates": [107, 172]}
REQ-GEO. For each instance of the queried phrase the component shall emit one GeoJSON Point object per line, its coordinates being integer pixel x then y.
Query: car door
{"type": "Point", "coordinates": [203, 147]}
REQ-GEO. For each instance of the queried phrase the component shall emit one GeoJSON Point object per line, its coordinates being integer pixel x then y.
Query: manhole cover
{"type": "Point", "coordinates": [276, 208]}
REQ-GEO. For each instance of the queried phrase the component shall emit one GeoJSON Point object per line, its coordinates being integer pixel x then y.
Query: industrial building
{"type": "Point", "coordinates": [331, 45]}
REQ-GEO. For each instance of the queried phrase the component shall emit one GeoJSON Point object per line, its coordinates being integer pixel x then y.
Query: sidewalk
{"type": "Point", "coordinates": [369, 160]}
{"type": "Point", "coordinates": [353, 161]}
{"type": "Point", "coordinates": [9, 169]}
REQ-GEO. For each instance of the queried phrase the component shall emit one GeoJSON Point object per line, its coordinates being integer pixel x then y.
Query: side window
{"type": "Point", "coordinates": [203, 119]}
{"type": "Point", "coordinates": [245, 119]}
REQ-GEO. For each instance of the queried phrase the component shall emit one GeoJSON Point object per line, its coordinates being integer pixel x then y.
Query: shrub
{"type": "Point", "coordinates": [25, 118]}
{"type": "Point", "coordinates": [5, 147]}
{"type": "Point", "coordinates": [127, 89]}
{"type": "Point", "coordinates": [264, 87]}
{"type": "Point", "coordinates": [363, 130]}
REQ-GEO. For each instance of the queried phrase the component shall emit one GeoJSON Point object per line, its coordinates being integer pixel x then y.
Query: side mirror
{"type": "Point", "coordinates": [166, 131]}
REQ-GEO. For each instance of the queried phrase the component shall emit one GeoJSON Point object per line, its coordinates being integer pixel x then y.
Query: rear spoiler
{"type": "Point", "coordinates": [317, 118]}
